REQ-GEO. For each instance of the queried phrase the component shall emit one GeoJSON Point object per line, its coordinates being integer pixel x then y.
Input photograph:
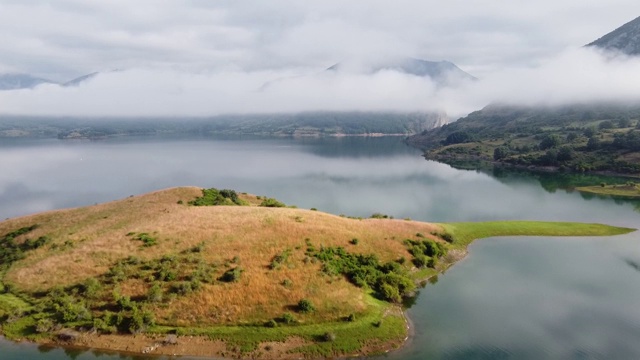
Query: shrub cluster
{"type": "Point", "coordinates": [380, 216]}
{"type": "Point", "coordinates": [270, 202]}
{"type": "Point", "coordinates": [231, 275]}
{"type": "Point", "coordinates": [213, 197]}
{"type": "Point", "coordinates": [10, 251]}
{"type": "Point", "coordinates": [279, 259]}
{"type": "Point", "coordinates": [425, 252]}
{"type": "Point", "coordinates": [390, 280]}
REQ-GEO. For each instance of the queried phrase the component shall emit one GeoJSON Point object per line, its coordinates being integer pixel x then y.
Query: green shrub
{"type": "Point", "coordinates": [305, 306]}
{"type": "Point", "coordinates": [155, 293]}
{"type": "Point", "coordinates": [448, 237]}
{"type": "Point", "coordinates": [390, 293]}
{"type": "Point", "coordinates": [354, 241]}
{"type": "Point", "coordinates": [10, 251]}
{"type": "Point", "coordinates": [214, 197]}
{"type": "Point", "coordinates": [91, 287]}
{"type": "Point", "coordinates": [279, 259]}
{"type": "Point", "coordinates": [198, 248]}
{"type": "Point", "coordinates": [271, 324]}
{"type": "Point", "coordinates": [44, 325]}
{"type": "Point", "coordinates": [270, 202]}
{"type": "Point", "coordinates": [147, 240]}
{"type": "Point", "coordinates": [329, 336]}
{"type": "Point", "coordinates": [288, 318]}
{"type": "Point", "coordinates": [380, 216]}
{"type": "Point", "coordinates": [231, 275]}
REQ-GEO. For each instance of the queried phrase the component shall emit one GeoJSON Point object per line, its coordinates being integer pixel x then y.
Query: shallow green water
{"type": "Point", "coordinates": [520, 298]}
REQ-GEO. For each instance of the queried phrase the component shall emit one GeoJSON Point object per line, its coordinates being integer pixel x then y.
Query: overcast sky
{"type": "Point", "coordinates": [227, 49]}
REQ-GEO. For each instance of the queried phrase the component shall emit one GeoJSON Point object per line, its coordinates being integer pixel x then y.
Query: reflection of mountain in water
{"type": "Point", "coordinates": [549, 181]}
{"type": "Point", "coordinates": [358, 147]}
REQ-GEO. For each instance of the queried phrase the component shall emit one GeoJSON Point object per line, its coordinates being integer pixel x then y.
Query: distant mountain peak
{"type": "Point", "coordinates": [77, 81]}
{"type": "Point", "coordinates": [21, 81]}
{"type": "Point", "coordinates": [625, 39]}
{"type": "Point", "coordinates": [442, 72]}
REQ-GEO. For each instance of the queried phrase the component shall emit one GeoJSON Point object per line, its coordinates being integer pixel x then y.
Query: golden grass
{"type": "Point", "coordinates": [96, 237]}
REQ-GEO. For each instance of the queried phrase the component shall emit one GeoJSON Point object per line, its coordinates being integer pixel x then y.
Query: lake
{"type": "Point", "coordinates": [511, 298]}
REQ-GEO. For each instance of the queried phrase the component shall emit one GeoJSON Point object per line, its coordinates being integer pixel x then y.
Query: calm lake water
{"type": "Point", "coordinates": [511, 298]}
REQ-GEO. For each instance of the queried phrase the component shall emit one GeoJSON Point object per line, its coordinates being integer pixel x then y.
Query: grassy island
{"type": "Point", "coordinates": [216, 273]}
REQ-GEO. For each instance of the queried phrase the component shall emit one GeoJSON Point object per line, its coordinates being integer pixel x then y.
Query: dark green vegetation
{"type": "Point", "coordinates": [213, 197]}
{"type": "Point", "coordinates": [577, 138]}
{"type": "Point", "coordinates": [301, 124]}
{"type": "Point", "coordinates": [98, 303]}
{"type": "Point", "coordinates": [10, 251]}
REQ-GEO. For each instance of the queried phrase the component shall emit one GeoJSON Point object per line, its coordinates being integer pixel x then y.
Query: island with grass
{"type": "Point", "coordinates": [207, 272]}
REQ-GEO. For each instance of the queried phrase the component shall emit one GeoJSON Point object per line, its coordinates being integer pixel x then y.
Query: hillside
{"type": "Point", "coordinates": [625, 39]}
{"type": "Point", "coordinates": [156, 262]}
{"type": "Point", "coordinates": [212, 272]}
{"type": "Point", "coordinates": [582, 138]}
{"type": "Point", "coordinates": [299, 124]}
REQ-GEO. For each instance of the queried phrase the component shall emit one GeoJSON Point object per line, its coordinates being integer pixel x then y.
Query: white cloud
{"type": "Point", "coordinates": [574, 76]}
{"type": "Point", "coordinates": [204, 58]}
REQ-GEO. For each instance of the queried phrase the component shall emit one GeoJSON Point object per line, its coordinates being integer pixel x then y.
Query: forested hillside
{"type": "Point", "coordinates": [604, 137]}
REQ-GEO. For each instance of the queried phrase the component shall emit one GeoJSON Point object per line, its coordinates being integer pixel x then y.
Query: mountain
{"type": "Point", "coordinates": [21, 81]}
{"type": "Point", "coordinates": [442, 72]}
{"type": "Point", "coordinates": [80, 79]}
{"type": "Point", "coordinates": [581, 138]}
{"type": "Point", "coordinates": [625, 39]}
{"type": "Point", "coordinates": [26, 81]}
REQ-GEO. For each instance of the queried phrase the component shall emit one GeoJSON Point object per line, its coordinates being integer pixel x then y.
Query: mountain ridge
{"type": "Point", "coordinates": [625, 39]}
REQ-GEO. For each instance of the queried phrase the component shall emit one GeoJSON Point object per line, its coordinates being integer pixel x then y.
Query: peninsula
{"type": "Point", "coordinates": [209, 272]}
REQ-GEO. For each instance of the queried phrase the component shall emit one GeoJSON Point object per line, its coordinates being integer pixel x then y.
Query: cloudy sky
{"type": "Point", "coordinates": [208, 57]}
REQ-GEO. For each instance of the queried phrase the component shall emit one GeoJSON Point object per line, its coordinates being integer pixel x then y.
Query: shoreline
{"type": "Point", "coordinates": [546, 169]}
{"type": "Point", "coordinates": [154, 345]}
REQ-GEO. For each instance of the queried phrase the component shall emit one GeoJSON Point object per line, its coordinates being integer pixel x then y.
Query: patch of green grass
{"type": "Point", "coordinates": [10, 303]}
{"type": "Point", "coordinates": [466, 232]}
{"type": "Point", "coordinates": [350, 337]}
{"type": "Point", "coordinates": [24, 327]}
{"type": "Point", "coordinates": [628, 191]}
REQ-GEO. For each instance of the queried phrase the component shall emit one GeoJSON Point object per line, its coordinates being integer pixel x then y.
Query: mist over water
{"type": "Point", "coordinates": [520, 298]}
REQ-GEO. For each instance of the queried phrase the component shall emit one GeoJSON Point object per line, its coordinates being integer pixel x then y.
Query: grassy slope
{"type": "Point", "coordinates": [86, 242]}
{"type": "Point", "coordinates": [466, 232]}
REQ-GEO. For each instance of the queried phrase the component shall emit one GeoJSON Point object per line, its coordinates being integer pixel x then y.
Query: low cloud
{"type": "Point", "coordinates": [574, 76]}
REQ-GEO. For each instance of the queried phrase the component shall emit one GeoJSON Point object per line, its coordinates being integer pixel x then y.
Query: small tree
{"type": "Point", "coordinates": [500, 153]}
{"type": "Point", "coordinates": [549, 142]}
